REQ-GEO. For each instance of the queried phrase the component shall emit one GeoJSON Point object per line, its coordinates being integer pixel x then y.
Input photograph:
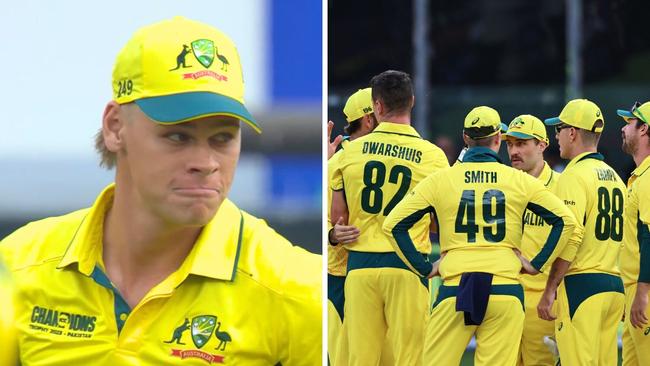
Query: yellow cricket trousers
{"type": "Point", "coordinates": [636, 342]}
{"type": "Point", "coordinates": [590, 307]}
{"type": "Point", "coordinates": [497, 337]}
{"type": "Point", "coordinates": [385, 307]}
{"type": "Point", "coordinates": [533, 351]}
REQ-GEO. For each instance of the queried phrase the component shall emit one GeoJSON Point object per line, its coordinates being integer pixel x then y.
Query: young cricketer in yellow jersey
{"type": "Point", "coordinates": [361, 121]}
{"type": "Point", "coordinates": [384, 301]}
{"type": "Point", "coordinates": [590, 298]}
{"type": "Point", "coordinates": [526, 141]}
{"type": "Point", "coordinates": [635, 253]}
{"type": "Point", "coordinates": [479, 205]}
{"type": "Point", "coordinates": [163, 269]}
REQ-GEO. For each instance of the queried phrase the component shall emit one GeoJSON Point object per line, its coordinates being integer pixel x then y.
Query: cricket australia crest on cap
{"type": "Point", "coordinates": [203, 50]}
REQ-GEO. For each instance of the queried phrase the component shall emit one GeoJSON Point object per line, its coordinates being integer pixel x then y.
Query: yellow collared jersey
{"type": "Point", "coordinates": [337, 255]}
{"type": "Point", "coordinates": [377, 171]}
{"type": "Point", "coordinates": [9, 348]}
{"type": "Point", "coordinates": [536, 231]}
{"type": "Point", "coordinates": [635, 253]}
{"type": "Point", "coordinates": [596, 195]}
{"type": "Point", "coordinates": [479, 205]}
{"type": "Point", "coordinates": [243, 296]}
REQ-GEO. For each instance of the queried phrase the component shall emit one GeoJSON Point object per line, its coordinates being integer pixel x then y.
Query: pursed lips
{"type": "Point", "coordinates": [199, 191]}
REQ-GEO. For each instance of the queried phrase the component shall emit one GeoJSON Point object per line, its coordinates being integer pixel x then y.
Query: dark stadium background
{"type": "Point", "coordinates": [508, 54]}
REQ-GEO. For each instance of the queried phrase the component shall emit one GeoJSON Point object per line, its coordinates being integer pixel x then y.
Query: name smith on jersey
{"type": "Point", "coordinates": [479, 176]}
{"type": "Point", "coordinates": [395, 151]}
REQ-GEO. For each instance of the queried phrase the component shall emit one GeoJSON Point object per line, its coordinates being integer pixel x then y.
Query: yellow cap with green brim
{"type": "Point", "coordinates": [527, 127]}
{"type": "Point", "coordinates": [638, 110]}
{"type": "Point", "coordinates": [580, 113]}
{"type": "Point", "coordinates": [178, 70]}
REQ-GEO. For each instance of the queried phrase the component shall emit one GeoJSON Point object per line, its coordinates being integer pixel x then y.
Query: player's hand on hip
{"type": "Point", "coordinates": [545, 306]}
{"type": "Point", "coordinates": [344, 234]}
{"type": "Point", "coordinates": [332, 145]}
{"type": "Point", "coordinates": [526, 267]}
{"type": "Point", "coordinates": [435, 266]}
{"type": "Point", "coordinates": [638, 316]}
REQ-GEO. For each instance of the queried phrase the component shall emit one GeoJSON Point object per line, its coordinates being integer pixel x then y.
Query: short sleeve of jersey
{"type": "Point", "coordinates": [334, 171]}
{"type": "Point", "coordinates": [643, 190]}
{"type": "Point", "coordinates": [301, 312]}
{"type": "Point", "coordinates": [569, 190]}
{"type": "Point", "coordinates": [643, 226]}
{"type": "Point", "coordinates": [294, 278]}
{"type": "Point", "coordinates": [332, 165]}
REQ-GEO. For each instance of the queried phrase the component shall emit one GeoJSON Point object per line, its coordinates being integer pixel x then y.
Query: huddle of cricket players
{"type": "Point", "coordinates": [539, 267]}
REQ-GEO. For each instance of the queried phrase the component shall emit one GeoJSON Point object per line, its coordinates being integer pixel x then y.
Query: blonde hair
{"type": "Point", "coordinates": [107, 158]}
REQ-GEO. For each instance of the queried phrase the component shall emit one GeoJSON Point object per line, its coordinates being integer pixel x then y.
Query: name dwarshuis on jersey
{"type": "Point", "coordinates": [480, 176]}
{"type": "Point", "coordinates": [607, 175]}
{"type": "Point", "coordinates": [395, 151]}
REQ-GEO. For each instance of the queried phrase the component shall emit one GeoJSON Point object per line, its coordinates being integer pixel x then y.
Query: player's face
{"type": "Point", "coordinates": [524, 154]}
{"type": "Point", "coordinates": [630, 136]}
{"type": "Point", "coordinates": [180, 173]}
{"type": "Point", "coordinates": [562, 135]}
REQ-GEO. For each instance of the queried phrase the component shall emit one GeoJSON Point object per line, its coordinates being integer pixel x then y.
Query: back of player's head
{"type": "Point", "coordinates": [394, 89]}
{"type": "Point", "coordinates": [482, 122]}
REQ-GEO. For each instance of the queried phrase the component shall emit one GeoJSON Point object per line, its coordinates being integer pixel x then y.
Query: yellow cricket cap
{"type": "Point", "coordinates": [178, 70]}
{"type": "Point", "coordinates": [483, 122]}
{"type": "Point", "coordinates": [358, 105]}
{"type": "Point", "coordinates": [527, 127]}
{"type": "Point", "coordinates": [638, 110]}
{"type": "Point", "coordinates": [579, 113]}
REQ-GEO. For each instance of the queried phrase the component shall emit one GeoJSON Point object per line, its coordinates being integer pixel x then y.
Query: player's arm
{"type": "Point", "coordinates": [339, 209]}
{"type": "Point", "coordinates": [338, 232]}
{"type": "Point", "coordinates": [562, 222]}
{"type": "Point", "coordinates": [559, 268]}
{"type": "Point", "coordinates": [300, 311]}
{"type": "Point", "coordinates": [406, 214]}
{"type": "Point", "coordinates": [638, 316]}
{"type": "Point", "coordinates": [564, 228]}
{"type": "Point", "coordinates": [576, 201]}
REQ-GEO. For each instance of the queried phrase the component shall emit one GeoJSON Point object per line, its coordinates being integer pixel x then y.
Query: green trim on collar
{"type": "Point", "coordinates": [481, 155]}
{"type": "Point", "coordinates": [397, 133]}
{"type": "Point", "coordinates": [241, 230]}
{"type": "Point", "coordinates": [120, 307]}
{"type": "Point", "coordinates": [643, 167]}
{"type": "Point", "coordinates": [596, 155]}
